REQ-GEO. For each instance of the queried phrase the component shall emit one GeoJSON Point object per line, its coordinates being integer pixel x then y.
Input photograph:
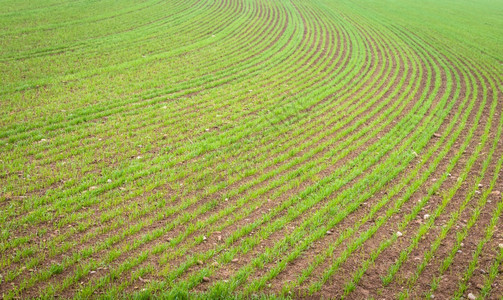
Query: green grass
{"type": "Point", "coordinates": [204, 148]}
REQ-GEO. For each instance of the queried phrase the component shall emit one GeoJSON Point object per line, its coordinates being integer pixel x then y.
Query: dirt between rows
{"type": "Point", "coordinates": [371, 283]}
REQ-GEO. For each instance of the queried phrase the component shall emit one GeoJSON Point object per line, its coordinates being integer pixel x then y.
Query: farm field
{"type": "Point", "coordinates": [251, 149]}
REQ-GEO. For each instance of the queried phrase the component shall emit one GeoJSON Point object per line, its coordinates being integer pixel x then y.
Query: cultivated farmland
{"type": "Point", "coordinates": [251, 148]}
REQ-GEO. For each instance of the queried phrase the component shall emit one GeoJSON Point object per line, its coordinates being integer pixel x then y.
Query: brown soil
{"type": "Point", "coordinates": [329, 120]}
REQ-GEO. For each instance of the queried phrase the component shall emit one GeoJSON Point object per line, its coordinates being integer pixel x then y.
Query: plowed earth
{"type": "Point", "coordinates": [251, 148]}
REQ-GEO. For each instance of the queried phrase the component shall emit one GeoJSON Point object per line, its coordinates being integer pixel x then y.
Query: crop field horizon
{"type": "Point", "coordinates": [241, 149]}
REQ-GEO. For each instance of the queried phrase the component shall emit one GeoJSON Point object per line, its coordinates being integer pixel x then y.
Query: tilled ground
{"type": "Point", "coordinates": [231, 148]}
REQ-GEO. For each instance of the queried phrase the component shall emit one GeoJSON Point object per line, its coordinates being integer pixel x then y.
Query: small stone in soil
{"type": "Point", "coordinates": [501, 246]}
{"type": "Point", "coordinates": [471, 296]}
{"type": "Point", "coordinates": [426, 216]}
{"type": "Point", "coordinates": [206, 279]}
{"type": "Point", "coordinates": [399, 234]}
{"type": "Point", "coordinates": [235, 260]}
